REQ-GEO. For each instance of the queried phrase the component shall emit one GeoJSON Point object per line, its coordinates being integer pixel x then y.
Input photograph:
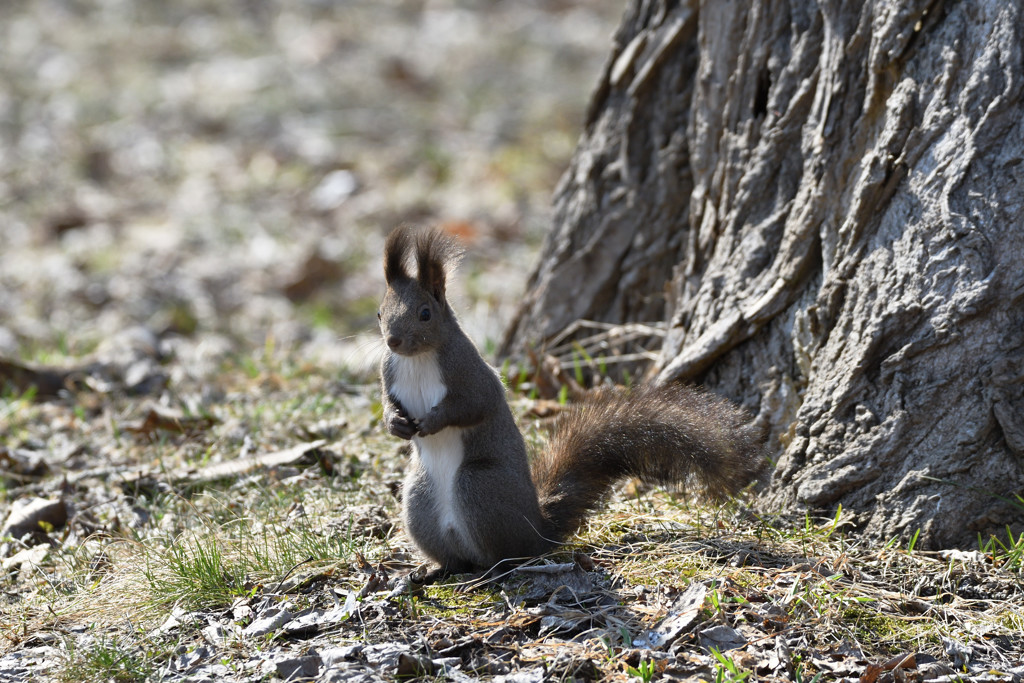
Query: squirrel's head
{"type": "Point", "coordinates": [415, 316]}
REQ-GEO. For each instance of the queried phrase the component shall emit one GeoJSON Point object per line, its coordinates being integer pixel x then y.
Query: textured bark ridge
{"type": "Point", "coordinates": [826, 203]}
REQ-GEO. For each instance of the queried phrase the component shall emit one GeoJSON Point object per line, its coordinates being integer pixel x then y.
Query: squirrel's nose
{"type": "Point", "coordinates": [394, 342]}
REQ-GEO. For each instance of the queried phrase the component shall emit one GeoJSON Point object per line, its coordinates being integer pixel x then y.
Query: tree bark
{"type": "Point", "coordinates": [824, 201]}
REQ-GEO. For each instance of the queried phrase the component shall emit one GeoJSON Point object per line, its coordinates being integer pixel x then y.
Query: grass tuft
{"type": "Point", "coordinates": [1009, 555]}
{"type": "Point", "coordinates": [107, 658]}
{"type": "Point", "coordinates": [195, 573]}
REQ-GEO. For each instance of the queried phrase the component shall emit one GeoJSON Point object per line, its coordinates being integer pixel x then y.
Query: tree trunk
{"type": "Point", "coordinates": [824, 201]}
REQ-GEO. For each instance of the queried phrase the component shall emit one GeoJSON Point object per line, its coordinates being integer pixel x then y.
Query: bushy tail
{"type": "Point", "coordinates": [667, 435]}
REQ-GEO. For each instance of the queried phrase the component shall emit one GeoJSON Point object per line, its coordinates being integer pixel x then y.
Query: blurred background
{"type": "Point", "coordinates": [220, 175]}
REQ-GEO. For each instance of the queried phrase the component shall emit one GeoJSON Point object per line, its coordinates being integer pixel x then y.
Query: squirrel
{"type": "Point", "coordinates": [471, 498]}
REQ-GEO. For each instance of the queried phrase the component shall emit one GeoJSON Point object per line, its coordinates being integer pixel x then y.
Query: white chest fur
{"type": "Point", "coordinates": [416, 383]}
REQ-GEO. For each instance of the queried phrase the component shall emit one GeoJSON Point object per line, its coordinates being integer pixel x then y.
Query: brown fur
{"type": "Point", "coordinates": [671, 435]}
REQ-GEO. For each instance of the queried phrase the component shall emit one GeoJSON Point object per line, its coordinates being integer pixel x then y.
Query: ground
{"type": "Point", "coordinates": [194, 484]}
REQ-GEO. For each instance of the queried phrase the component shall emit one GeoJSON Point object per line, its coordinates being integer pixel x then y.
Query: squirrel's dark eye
{"type": "Point", "coordinates": [378, 315]}
{"type": "Point", "coordinates": [425, 313]}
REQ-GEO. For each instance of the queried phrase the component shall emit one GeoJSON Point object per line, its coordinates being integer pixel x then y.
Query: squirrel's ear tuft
{"type": "Point", "coordinates": [436, 254]}
{"type": "Point", "coordinates": [395, 250]}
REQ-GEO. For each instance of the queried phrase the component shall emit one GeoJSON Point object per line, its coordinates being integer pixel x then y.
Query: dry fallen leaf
{"type": "Point", "coordinates": [239, 466]}
{"type": "Point", "coordinates": [159, 418]}
{"type": "Point", "coordinates": [47, 382]}
{"type": "Point", "coordinates": [680, 617]}
{"type": "Point", "coordinates": [37, 514]}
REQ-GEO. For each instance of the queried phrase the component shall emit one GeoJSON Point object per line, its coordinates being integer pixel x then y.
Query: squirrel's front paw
{"type": "Point", "coordinates": [400, 425]}
{"type": "Point", "coordinates": [429, 424]}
